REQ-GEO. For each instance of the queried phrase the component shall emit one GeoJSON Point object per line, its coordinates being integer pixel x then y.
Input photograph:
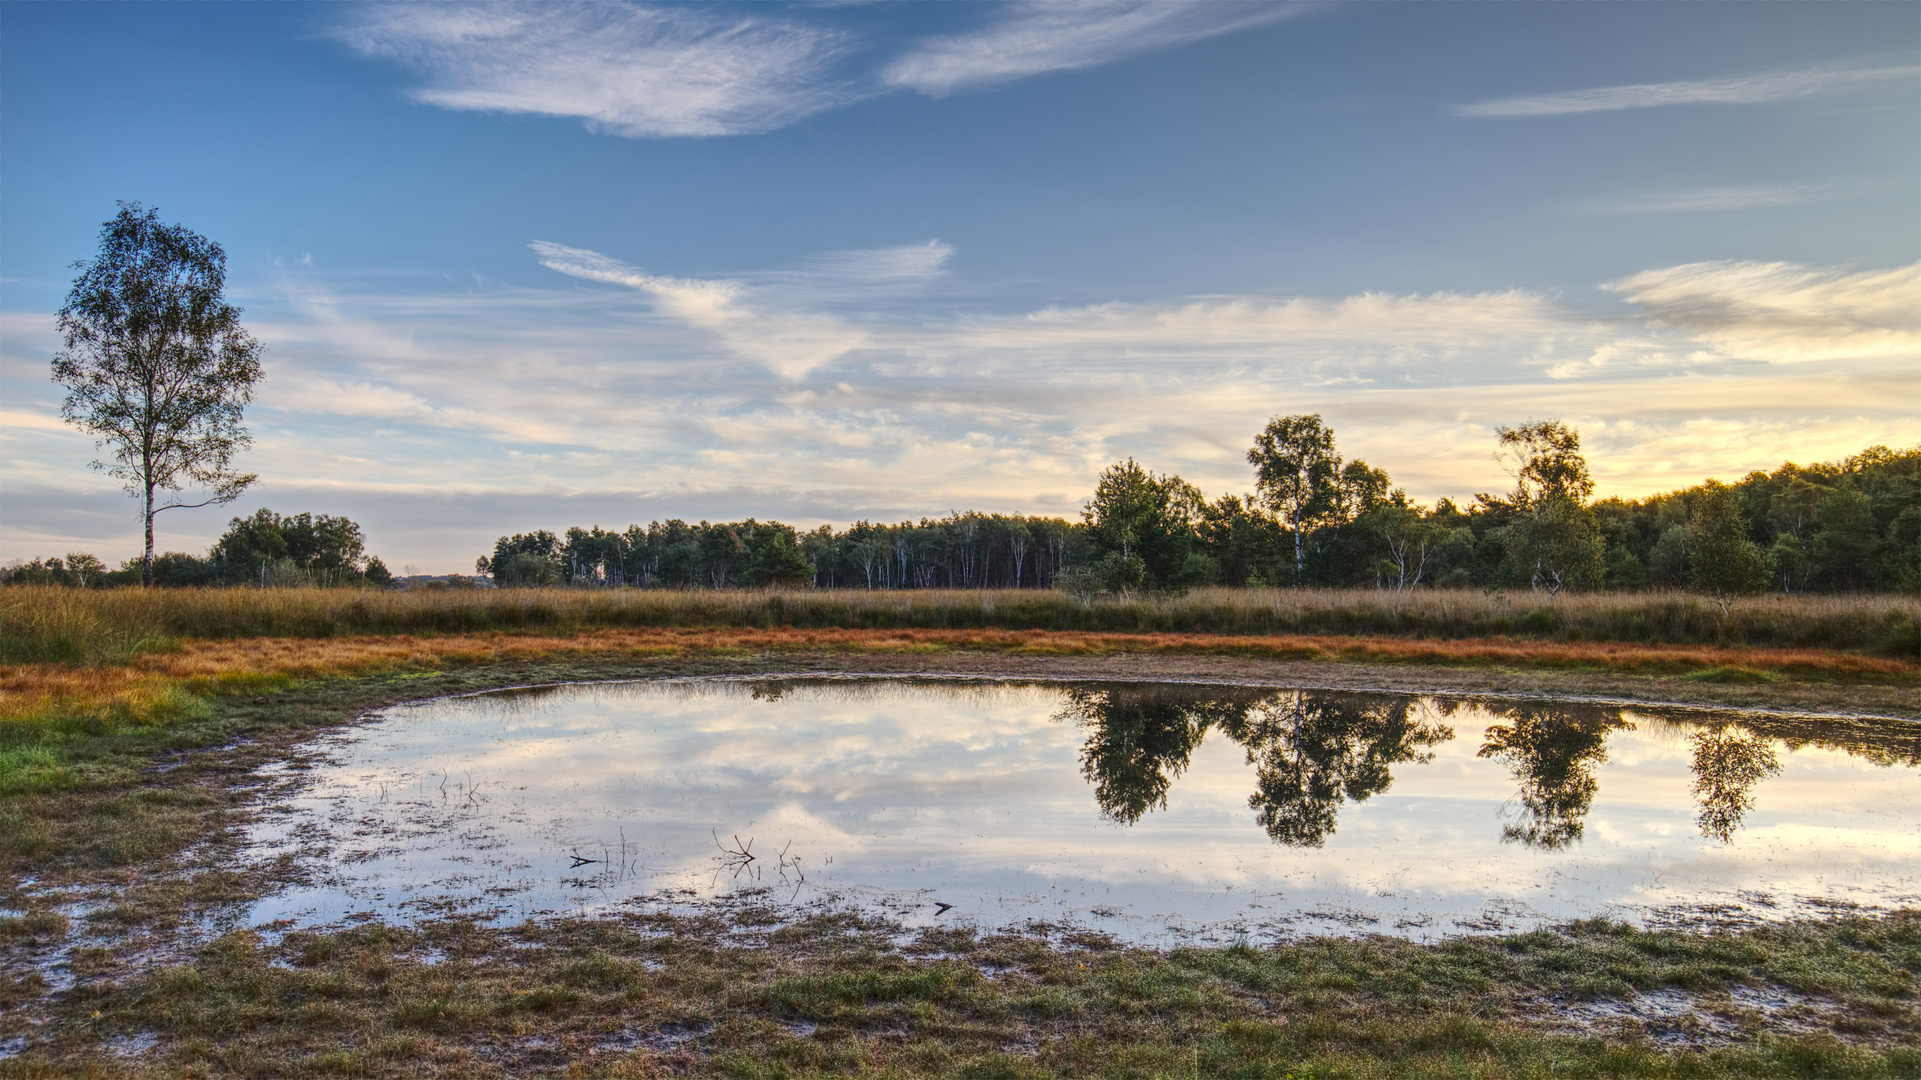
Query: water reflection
{"type": "Point", "coordinates": [1728, 762]}
{"type": "Point", "coordinates": [1553, 751]}
{"type": "Point", "coordinates": [1311, 751]}
{"type": "Point", "coordinates": [1133, 807]}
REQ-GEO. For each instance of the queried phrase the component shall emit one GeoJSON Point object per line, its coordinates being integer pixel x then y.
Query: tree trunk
{"type": "Point", "coordinates": [1300, 561]}
{"type": "Point", "coordinates": [146, 564]}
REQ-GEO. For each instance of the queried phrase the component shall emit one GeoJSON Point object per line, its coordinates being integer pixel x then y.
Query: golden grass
{"type": "Point", "coordinates": [146, 685]}
{"type": "Point", "coordinates": [51, 624]}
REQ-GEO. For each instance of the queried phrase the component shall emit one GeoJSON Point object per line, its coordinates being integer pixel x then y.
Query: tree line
{"type": "Point", "coordinates": [961, 551]}
{"type": "Point", "coordinates": [1313, 519]}
{"type": "Point", "coordinates": [265, 549]}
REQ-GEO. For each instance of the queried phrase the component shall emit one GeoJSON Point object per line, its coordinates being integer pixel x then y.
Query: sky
{"type": "Point", "coordinates": [528, 266]}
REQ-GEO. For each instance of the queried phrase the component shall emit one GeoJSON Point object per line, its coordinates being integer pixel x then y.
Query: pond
{"type": "Point", "coordinates": [1158, 813]}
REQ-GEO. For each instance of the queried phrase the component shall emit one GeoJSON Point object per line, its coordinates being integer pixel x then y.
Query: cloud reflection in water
{"type": "Point", "coordinates": [1153, 811]}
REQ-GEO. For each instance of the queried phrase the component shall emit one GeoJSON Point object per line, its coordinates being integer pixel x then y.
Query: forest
{"type": "Point", "coordinates": [1312, 519]}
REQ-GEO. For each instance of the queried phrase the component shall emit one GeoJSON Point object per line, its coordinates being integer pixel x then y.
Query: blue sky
{"type": "Point", "coordinates": [530, 266]}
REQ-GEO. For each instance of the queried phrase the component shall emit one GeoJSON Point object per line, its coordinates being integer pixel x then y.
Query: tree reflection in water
{"type": "Point", "coordinates": [1311, 751]}
{"type": "Point", "coordinates": [1553, 752]}
{"type": "Point", "coordinates": [1728, 762]}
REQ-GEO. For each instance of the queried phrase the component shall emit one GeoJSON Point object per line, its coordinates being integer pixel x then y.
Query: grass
{"type": "Point", "coordinates": [834, 995]}
{"type": "Point", "coordinates": [171, 687]}
{"type": "Point", "coordinates": [130, 723]}
{"type": "Point", "coordinates": [40, 624]}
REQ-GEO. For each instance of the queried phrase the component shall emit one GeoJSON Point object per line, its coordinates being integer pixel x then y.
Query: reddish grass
{"type": "Point", "coordinates": [204, 667]}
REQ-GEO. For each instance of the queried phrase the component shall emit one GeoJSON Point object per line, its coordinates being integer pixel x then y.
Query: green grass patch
{"type": "Point", "coordinates": [1733, 674]}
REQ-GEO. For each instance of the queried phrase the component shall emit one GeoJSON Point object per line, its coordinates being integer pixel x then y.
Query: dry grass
{"type": "Point", "coordinates": [148, 686]}
{"type": "Point", "coordinates": [53, 624]}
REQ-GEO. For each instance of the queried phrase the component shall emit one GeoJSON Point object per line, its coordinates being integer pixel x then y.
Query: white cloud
{"type": "Point", "coordinates": [1714, 199]}
{"type": "Point", "coordinates": [1742, 90]}
{"type": "Point", "coordinates": [643, 70]}
{"type": "Point", "coordinates": [1784, 313]}
{"type": "Point", "coordinates": [910, 265]}
{"type": "Point", "coordinates": [626, 69]}
{"type": "Point", "coordinates": [538, 408]}
{"type": "Point", "coordinates": [791, 343]}
{"type": "Point", "coordinates": [1065, 35]}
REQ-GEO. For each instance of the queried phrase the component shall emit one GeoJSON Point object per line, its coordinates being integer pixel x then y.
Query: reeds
{"type": "Point", "coordinates": [163, 687]}
{"type": "Point", "coordinates": [50, 624]}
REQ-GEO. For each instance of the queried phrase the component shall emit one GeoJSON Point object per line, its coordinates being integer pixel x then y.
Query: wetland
{"type": "Point", "coordinates": [299, 877]}
{"type": "Point", "coordinates": [1155, 813]}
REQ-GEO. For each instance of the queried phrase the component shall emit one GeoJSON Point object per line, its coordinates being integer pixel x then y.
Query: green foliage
{"type": "Point", "coordinates": [524, 569]}
{"type": "Point", "coordinates": [1723, 562]}
{"type": "Point", "coordinates": [1296, 473]}
{"type": "Point", "coordinates": [1141, 531]}
{"type": "Point", "coordinates": [1845, 538]}
{"type": "Point", "coordinates": [1844, 526]}
{"type": "Point", "coordinates": [775, 558]}
{"type": "Point", "coordinates": [156, 365]}
{"type": "Point", "coordinates": [527, 560]}
{"type": "Point", "coordinates": [967, 551]}
{"type": "Point", "coordinates": [77, 570]}
{"type": "Point", "coordinates": [1544, 457]}
{"type": "Point", "coordinates": [299, 549]}
{"type": "Point", "coordinates": [1556, 544]}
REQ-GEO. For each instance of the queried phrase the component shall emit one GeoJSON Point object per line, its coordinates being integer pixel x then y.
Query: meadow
{"type": "Point", "coordinates": [131, 723]}
{"type": "Point", "coordinates": [48, 624]}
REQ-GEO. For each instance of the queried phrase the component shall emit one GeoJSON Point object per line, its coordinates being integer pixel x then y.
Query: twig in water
{"type": "Point", "coordinates": [578, 861]}
{"type": "Point", "coordinates": [739, 858]}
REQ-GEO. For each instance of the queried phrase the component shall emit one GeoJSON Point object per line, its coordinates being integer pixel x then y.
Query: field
{"type": "Point", "coordinates": [53, 624]}
{"type": "Point", "coordinates": [131, 723]}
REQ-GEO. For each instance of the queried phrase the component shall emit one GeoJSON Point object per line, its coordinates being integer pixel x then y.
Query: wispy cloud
{"type": "Point", "coordinates": [505, 409]}
{"type": "Point", "coordinates": [663, 71]}
{"type": "Point", "coordinates": [909, 266]}
{"type": "Point", "coordinates": [1741, 90]}
{"type": "Point", "coordinates": [625, 69]}
{"type": "Point", "coordinates": [791, 343]}
{"type": "Point", "coordinates": [1715, 199]}
{"type": "Point", "coordinates": [1781, 312]}
{"type": "Point", "coordinates": [1066, 35]}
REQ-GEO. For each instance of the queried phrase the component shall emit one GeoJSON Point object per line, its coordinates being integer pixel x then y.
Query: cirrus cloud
{"type": "Point", "coordinates": [1740, 90]}
{"type": "Point", "coordinates": [1066, 35]}
{"type": "Point", "coordinates": [1782, 312]}
{"type": "Point", "coordinates": [625, 69]}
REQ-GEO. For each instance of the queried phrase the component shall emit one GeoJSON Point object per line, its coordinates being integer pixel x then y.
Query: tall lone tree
{"type": "Point", "coordinates": [1297, 474]}
{"type": "Point", "coordinates": [156, 365]}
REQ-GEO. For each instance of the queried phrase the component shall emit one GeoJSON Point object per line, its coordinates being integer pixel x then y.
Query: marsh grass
{"type": "Point", "coordinates": [40, 624]}
{"type": "Point", "coordinates": [744, 995]}
{"type": "Point", "coordinates": [653, 995]}
{"type": "Point", "coordinates": [173, 687]}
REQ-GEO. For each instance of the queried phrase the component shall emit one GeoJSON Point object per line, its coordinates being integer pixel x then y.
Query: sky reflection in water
{"type": "Point", "coordinates": [1155, 812]}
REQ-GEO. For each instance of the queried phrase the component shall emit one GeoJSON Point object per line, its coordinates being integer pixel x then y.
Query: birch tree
{"type": "Point", "coordinates": [1296, 472]}
{"type": "Point", "coordinates": [157, 367]}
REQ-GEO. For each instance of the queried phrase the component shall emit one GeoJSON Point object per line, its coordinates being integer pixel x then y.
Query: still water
{"type": "Point", "coordinates": [1155, 812]}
